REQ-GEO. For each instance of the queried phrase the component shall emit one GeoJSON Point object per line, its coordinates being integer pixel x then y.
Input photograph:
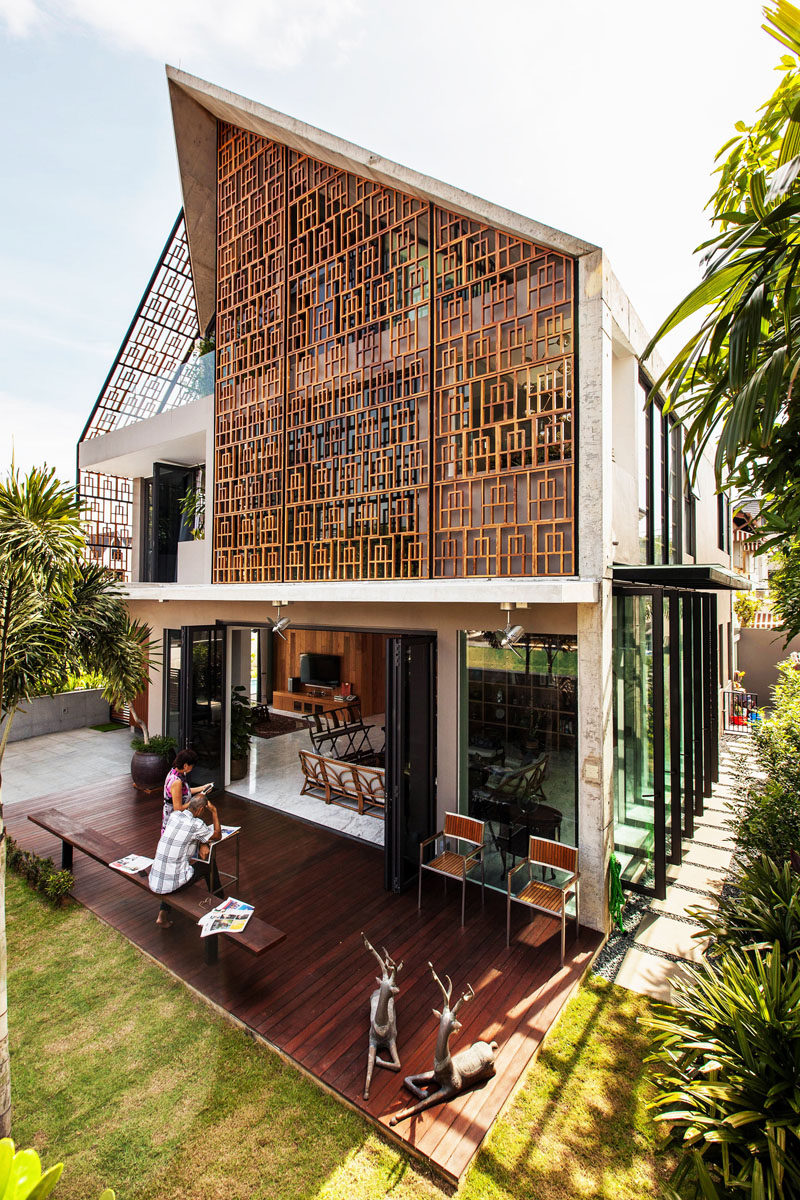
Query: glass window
{"type": "Point", "coordinates": [675, 463]}
{"type": "Point", "coordinates": [643, 453]}
{"type": "Point", "coordinates": [657, 511]}
{"type": "Point", "coordinates": [634, 793]}
{"type": "Point", "coordinates": [519, 747]}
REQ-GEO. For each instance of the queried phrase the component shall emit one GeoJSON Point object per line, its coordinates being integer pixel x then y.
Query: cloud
{"type": "Point", "coordinates": [20, 16]}
{"type": "Point", "coordinates": [272, 34]}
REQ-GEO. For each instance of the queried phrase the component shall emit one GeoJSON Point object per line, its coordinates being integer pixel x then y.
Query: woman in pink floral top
{"type": "Point", "coordinates": [177, 792]}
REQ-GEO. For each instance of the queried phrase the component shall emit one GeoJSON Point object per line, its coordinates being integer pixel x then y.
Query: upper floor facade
{"type": "Point", "coordinates": [368, 376]}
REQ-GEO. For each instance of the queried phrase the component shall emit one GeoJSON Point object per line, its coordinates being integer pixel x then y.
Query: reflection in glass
{"type": "Point", "coordinates": [519, 757]}
{"type": "Point", "coordinates": [634, 816]}
{"type": "Point", "coordinates": [172, 685]}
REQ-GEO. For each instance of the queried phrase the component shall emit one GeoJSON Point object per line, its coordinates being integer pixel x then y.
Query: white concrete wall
{"type": "Point", "coordinates": [54, 714]}
{"type": "Point", "coordinates": [595, 555]}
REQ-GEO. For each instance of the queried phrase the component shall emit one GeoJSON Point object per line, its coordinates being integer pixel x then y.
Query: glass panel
{"type": "Point", "coordinates": [667, 733]}
{"type": "Point", "coordinates": [634, 815]}
{"type": "Point", "coordinates": [675, 554]}
{"type": "Point", "coordinates": [519, 754]}
{"type": "Point", "coordinates": [206, 703]}
{"type": "Point", "coordinates": [172, 684]}
{"type": "Point", "coordinates": [147, 568]}
{"type": "Point", "coordinates": [658, 486]}
{"type": "Point", "coordinates": [643, 446]}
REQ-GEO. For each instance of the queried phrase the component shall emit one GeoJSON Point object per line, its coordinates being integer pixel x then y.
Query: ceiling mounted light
{"type": "Point", "coordinates": [280, 623]}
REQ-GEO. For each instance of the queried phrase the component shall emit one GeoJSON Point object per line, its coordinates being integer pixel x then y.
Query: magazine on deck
{"type": "Point", "coordinates": [132, 864]}
{"type": "Point", "coordinates": [230, 916]}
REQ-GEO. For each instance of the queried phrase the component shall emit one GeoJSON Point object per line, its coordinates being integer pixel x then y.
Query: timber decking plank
{"type": "Point", "coordinates": [312, 1000]}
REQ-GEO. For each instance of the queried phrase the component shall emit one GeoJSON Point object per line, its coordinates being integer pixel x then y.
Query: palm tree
{"type": "Point", "coordinates": [57, 614]}
{"type": "Point", "coordinates": [736, 376]}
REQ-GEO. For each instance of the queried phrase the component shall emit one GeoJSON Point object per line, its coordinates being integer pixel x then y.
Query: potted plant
{"type": "Point", "coordinates": [242, 725]}
{"type": "Point", "coordinates": [151, 761]}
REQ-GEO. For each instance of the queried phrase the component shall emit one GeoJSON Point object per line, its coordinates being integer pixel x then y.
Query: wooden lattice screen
{"type": "Point", "coordinates": [143, 381]}
{"type": "Point", "coordinates": [338, 456]}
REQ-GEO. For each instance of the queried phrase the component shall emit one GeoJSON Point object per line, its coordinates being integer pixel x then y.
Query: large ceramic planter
{"type": "Point", "coordinates": [239, 767]}
{"type": "Point", "coordinates": [148, 771]}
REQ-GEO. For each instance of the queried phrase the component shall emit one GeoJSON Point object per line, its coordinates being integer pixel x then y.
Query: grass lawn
{"type": "Point", "coordinates": [118, 1071]}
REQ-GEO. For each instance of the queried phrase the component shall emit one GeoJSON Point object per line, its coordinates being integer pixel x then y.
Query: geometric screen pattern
{"type": "Point", "coordinates": [148, 377]}
{"type": "Point", "coordinates": [395, 382]}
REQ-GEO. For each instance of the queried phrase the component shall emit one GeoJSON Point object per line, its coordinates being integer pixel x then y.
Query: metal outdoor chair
{"type": "Point", "coordinates": [550, 898]}
{"type": "Point", "coordinates": [451, 863]}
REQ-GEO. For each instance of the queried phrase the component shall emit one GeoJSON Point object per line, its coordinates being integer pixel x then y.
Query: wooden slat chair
{"type": "Point", "coordinates": [340, 780]}
{"type": "Point", "coordinates": [450, 863]}
{"type": "Point", "coordinates": [314, 778]}
{"type": "Point", "coordinates": [545, 897]}
{"type": "Point", "coordinates": [372, 788]}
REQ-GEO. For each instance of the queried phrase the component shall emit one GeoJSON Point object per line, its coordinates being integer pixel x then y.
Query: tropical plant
{"type": "Point", "coordinates": [57, 614]}
{"type": "Point", "coordinates": [784, 584]}
{"type": "Point", "coordinates": [165, 746]}
{"type": "Point", "coordinates": [735, 376]}
{"type": "Point", "coordinates": [727, 1073]}
{"type": "Point", "coordinates": [193, 511]}
{"type": "Point", "coordinates": [763, 911]}
{"type": "Point", "coordinates": [766, 817]}
{"type": "Point", "coordinates": [21, 1176]}
{"type": "Point", "coordinates": [746, 606]}
{"type": "Point", "coordinates": [242, 723]}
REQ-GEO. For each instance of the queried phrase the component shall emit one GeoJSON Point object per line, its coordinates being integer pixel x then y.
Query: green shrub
{"type": "Point", "coordinates": [58, 885]}
{"type": "Point", "coordinates": [40, 873]}
{"type": "Point", "coordinates": [165, 746]}
{"type": "Point", "coordinates": [21, 1175]}
{"type": "Point", "coordinates": [765, 910]}
{"type": "Point", "coordinates": [728, 1078]}
{"type": "Point", "coordinates": [767, 815]}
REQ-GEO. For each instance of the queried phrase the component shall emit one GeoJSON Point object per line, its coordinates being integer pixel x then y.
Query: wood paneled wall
{"type": "Point", "coordinates": [363, 658]}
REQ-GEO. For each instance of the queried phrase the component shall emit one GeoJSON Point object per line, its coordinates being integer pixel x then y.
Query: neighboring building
{"type": "Point", "coordinates": [422, 434]}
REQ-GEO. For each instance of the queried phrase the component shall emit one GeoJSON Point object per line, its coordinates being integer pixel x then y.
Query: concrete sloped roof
{"type": "Point", "coordinates": [196, 107]}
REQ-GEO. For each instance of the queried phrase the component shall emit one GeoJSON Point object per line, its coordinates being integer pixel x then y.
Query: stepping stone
{"type": "Point", "coordinates": [673, 937]}
{"type": "Point", "coordinates": [702, 856]}
{"type": "Point", "coordinates": [692, 876]}
{"type": "Point", "coordinates": [678, 901]}
{"type": "Point", "coordinates": [649, 974]}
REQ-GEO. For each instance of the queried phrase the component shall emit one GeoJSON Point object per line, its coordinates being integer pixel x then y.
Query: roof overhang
{"type": "Point", "coordinates": [177, 436]}
{"type": "Point", "coordinates": [710, 577]}
{"type": "Point", "coordinates": [197, 106]}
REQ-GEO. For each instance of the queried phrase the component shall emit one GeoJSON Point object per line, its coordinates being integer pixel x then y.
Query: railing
{"type": "Point", "coordinates": [739, 711]}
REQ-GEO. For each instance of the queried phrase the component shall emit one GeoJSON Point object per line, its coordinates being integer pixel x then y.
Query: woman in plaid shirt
{"type": "Point", "coordinates": [184, 832]}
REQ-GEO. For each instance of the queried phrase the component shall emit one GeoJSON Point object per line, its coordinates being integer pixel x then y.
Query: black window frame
{"type": "Point", "coordinates": [658, 475]}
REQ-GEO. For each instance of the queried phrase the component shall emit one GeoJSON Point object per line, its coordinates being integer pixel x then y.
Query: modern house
{"type": "Point", "coordinates": [423, 431]}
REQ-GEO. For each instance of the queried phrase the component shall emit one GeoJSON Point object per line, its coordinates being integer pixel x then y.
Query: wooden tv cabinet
{"type": "Point", "coordinates": [308, 702]}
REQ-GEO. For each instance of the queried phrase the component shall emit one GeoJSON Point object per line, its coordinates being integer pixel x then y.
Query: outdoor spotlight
{"type": "Point", "coordinates": [511, 635]}
{"type": "Point", "coordinates": [280, 624]}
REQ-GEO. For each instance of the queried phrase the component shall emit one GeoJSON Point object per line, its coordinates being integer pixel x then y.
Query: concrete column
{"type": "Point", "coordinates": [593, 522]}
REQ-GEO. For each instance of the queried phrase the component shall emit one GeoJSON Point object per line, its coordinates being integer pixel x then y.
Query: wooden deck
{"type": "Point", "coordinates": [309, 998]}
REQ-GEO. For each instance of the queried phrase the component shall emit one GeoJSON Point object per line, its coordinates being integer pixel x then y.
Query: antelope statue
{"type": "Point", "coordinates": [451, 1075]}
{"type": "Point", "coordinates": [382, 1019]}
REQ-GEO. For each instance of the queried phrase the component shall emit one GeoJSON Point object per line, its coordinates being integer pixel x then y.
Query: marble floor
{"type": "Point", "coordinates": [275, 779]}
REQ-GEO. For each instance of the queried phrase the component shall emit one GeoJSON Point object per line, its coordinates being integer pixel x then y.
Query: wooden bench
{"type": "Point", "coordinates": [257, 937]}
{"type": "Point", "coordinates": [341, 733]}
{"type": "Point", "coordinates": [346, 783]}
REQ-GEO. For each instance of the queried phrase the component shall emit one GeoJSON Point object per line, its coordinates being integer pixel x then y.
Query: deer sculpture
{"type": "Point", "coordinates": [451, 1074]}
{"type": "Point", "coordinates": [382, 1018]}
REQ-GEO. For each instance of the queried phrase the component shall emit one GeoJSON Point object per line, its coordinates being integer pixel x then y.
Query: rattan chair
{"type": "Point", "coordinates": [450, 863]}
{"type": "Point", "coordinates": [550, 898]}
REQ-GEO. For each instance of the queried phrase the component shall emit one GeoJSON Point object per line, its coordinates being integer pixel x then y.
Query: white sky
{"type": "Point", "coordinates": [600, 118]}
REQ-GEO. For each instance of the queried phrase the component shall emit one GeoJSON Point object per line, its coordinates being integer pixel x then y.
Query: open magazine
{"type": "Point", "coordinates": [230, 916]}
{"type": "Point", "coordinates": [228, 830]}
{"type": "Point", "coordinates": [132, 864]}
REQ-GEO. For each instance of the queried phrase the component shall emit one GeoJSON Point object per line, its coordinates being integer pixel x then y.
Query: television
{"type": "Point", "coordinates": [321, 669]}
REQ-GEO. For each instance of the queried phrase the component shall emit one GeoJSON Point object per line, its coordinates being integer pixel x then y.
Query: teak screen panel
{"type": "Point", "coordinates": [503, 404]}
{"type": "Point", "coordinates": [340, 453]}
{"type": "Point", "coordinates": [251, 267]}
